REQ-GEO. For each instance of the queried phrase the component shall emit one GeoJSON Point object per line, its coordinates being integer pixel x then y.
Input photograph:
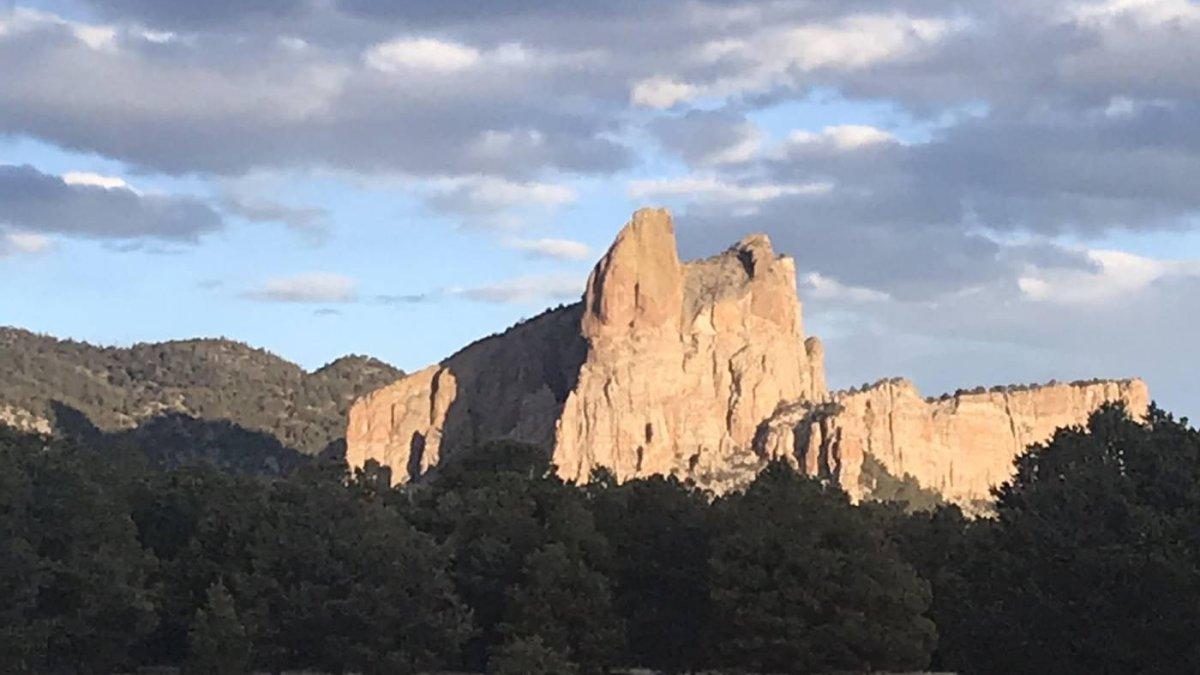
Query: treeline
{"type": "Point", "coordinates": [1091, 564]}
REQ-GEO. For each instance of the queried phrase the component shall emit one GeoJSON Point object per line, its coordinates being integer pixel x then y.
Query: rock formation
{"type": "Point", "coordinates": [699, 369]}
{"type": "Point", "coordinates": [961, 445]}
{"type": "Point", "coordinates": [665, 367]}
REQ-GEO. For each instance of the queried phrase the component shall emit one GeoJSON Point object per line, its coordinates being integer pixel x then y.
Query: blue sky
{"type": "Point", "coordinates": [974, 194]}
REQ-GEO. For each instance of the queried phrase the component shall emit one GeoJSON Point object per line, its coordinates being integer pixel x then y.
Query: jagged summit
{"type": "Point", "coordinates": [699, 369]}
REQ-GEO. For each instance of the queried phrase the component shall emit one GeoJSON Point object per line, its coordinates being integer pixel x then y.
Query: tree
{"type": "Point", "coordinates": [660, 534]}
{"type": "Point", "coordinates": [493, 506]}
{"type": "Point", "coordinates": [529, 656]}
{"type": "Point", "coordinates": [802, 582]}
{"type": "Point", "coordinates": [72, 563]}
{"type": "Point", "coordinates": [568, 606]}
{"type": "Point", "coordinates": [217, 642]}
{"type": "Point", "coordinates": [1093, 561]}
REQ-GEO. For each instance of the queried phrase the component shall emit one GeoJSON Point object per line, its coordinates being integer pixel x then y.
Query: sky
{"type": "Point", "coordinates": [975, 193]}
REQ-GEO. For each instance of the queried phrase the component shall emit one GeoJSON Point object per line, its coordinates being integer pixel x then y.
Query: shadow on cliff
{"type": "Point", "coordinates": [175, 439]}
{"type": "Point", "coordinates": [509, 386]}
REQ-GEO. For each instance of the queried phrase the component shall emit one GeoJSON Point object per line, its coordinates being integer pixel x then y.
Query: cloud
{"type": "Point", "coordinates": [28, 243]}
{"type": "Point", "coordinates": [661, 92]}
{"type": "Point", "coordinates": [87, 205]}
{"type": "Point", "coordinates": [212, 102]}
{"type": "Point", "coordinates": [95, 179]}
{"type": "Point", "coordinates": [525, 290]}
{"type": "Point", "coordinates": [1116, 275]}
{"type": "Point", "coordinates": [558, 249]}
{"type": "Point", "coordinates": [313, 287]}
{"type": "Point", "coordinates": [421, 54]}
{"type": "Point", "coordinates": [709, 137]}
{"type": "Point", "coordinates": [712, 189]}
{"type": "Point", "coordinates": [495, 202]}
{"type": "Point", "coordinates": [310, 220]}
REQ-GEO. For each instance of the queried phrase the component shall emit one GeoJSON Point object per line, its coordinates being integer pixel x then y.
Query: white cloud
{"type": "Point", "coordinates": [491, 192]}
{"type": "Point", "coordinates": [23, 19]}
{"type": "Point", "coordinates": [775, 55]}
{"type": "Point", "coordinates": [819, 287]}
{"type": "Point", "coordinates": [95, 180]}
{"type": "Point", "coordinates": [525, 290]}
{"type": "Point", "coordinates": [1116, 275]}
{"type": "Point", "coordinates": [1146, 13]}
{"type": "Point", "coordinates": [23, 243]}
{"type": "Point", "coordinates": [559, 249]}
{"type": "Point", "coordinates": [421, 54]}
{"type": "Point", "coordinates": [661, 93]}
{"type": "Point", "coordinates": [713, 189]}
{"type": "Point", "coordinates": [313, 287]}
{"type": "Point", "coordinates": [842, 137]}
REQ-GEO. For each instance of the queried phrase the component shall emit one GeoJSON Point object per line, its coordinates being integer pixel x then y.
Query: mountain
{"type": "Point", "coordinates": [702, 370]}
{"type": "Point", "coordinates": [190, 395]}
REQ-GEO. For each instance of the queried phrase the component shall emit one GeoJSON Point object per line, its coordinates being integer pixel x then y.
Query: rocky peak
{"type": "Point", "coordinates": [702, 370]}
{"type": "Point", "coordinates": [638, 283]}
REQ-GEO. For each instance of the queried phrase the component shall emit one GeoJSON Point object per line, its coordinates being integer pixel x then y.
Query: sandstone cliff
{"type": "Point", "coordinates": [665, 367]}
{"type": "Point", "coordinates": [961, 445]}
{"type": "Point", "coordinates": [701, 369]}
{"type": "Point", "coordinates": [684, 360]}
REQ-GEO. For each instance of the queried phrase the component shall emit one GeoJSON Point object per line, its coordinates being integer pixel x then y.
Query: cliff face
{"type": "Point", "coordinates": [684, 360]}
{"type": "Point", "coordinates": [961, 446]}
{"type": "Point", "coordinates": [701, 369]}
{"type": "Point", "coordinates": [511, 385]}
{"type": "Point", "coordinates": [665, 367]}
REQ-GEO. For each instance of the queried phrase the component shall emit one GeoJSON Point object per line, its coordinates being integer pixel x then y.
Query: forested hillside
{"type": "Point", "coordinates": [214, 386]}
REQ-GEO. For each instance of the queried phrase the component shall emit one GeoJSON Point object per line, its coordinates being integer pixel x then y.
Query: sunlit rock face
{"type": "Point", "coordinates": [664, 367]}
{"type": "Point", "coordinates": [684, 360]}
{"type": "Point", "coordinates": [961, 445]}
{"type": "Point", "coordinates": [702, 370]}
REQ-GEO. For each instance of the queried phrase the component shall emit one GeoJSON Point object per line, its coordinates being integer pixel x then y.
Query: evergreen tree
{"type": "Point", "coordinates": [529, 656]}
{"type": "Point", "coordinates": [1093, 561]}
{"type": "Point", "coordinates": [217, 642]}
{"type": "Point", "coordinates": [660, 536]}
{"type": "Point", "coordinates": [566, 604]}
{"type": "Point", "coordinates": [72, 563]}
{"type": "Point", "coordinates": [802, 582]}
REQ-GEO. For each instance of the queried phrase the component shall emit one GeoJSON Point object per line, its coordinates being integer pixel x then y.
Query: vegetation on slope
{"type": "Point", "coordinates": [86, 390]}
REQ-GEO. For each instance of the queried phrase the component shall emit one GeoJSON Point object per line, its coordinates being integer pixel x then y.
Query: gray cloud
{"type": "Point", "coordinates": [308, 288]}
{"type": "Point", "coordinates": [36, 202]}
{"type": "Point", "coordinates": [222, 104]}
{"type": "Point", "coordinates": [312, 221]}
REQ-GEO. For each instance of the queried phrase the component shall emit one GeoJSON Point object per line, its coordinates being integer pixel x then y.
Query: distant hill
{"type": "Point", "coordinates": [181, 394]}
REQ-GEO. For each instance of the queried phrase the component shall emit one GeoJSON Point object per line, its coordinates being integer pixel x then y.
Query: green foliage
{"type": "Point", "coordinates": [803, 582]}
{"type": "Point", "coordinates": [494, 507]}
{"type": "Point", "coordinates": [568, 605]}
{"type": "Point", "coordinates": [84, 389]}
{"type": "Point", "coordinates": [217, 641]}
{"type": "Point", "coordinates": [660, 534]}
{"type": "Point", "coordinates": [1093, 561]}
{"type": "Point", "coordinates": [73, 574]}
{"type": "Point", "coordinates": [881, 485]}
{"type": "Point", "coordinates": [109, 563]}
{"type": "Point", "coordinates": [529, 656]}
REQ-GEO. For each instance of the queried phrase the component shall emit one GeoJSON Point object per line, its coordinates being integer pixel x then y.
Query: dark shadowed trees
{"type": "Point", "coordinates": [1093, 561]}
{"type": "Point", "coordinates": [803, 582]}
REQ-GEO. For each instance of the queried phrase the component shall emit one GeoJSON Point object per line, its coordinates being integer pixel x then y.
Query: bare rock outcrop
{"type": "Point", "coordinates": [684, 360]}
{"type": "Point", "coordinates": [665, 367]}
{"type": "Point", "coordinates": [701, 369]}
{"type": "Point", "coordinates": [961, 445]}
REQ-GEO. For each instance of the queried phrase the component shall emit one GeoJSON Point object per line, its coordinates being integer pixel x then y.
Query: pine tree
{"type": "Point", "coordinates": [530, 656]}
{"type": "Point", "coordinates": [217, 640]}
